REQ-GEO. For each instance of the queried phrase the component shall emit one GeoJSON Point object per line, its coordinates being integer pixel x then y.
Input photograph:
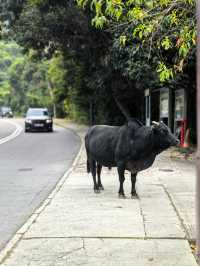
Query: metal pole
{"type": "Point", "coordinates": [198, 138]}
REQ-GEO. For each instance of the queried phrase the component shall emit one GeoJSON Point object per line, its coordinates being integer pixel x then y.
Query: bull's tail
{"type": "Point", "coordinates": [88, 166]}
{"type": "Point", "coordinates": [87, 153]}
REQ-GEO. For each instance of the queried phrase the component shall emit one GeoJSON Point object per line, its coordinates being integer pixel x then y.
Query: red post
{"type": "Point", "coordinates": [182, 133]}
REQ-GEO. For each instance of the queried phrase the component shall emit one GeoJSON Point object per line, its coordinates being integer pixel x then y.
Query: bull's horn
{"type": "Point", "coordinates": [155, 123]}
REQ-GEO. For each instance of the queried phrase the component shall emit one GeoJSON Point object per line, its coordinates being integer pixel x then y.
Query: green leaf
{"type": "Point", "coordinates": [99, 21]}
{"type": "Point", "coordinates": [166, 43]}
{"type": "Point", "coordinates": [164, 73]}
{"type": "Point", "coordinates": [122, 40]}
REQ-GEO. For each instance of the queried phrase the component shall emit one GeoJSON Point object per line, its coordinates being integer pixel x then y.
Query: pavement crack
{"type": "Point", "coordinates": [69, 253]}
{"type": "Point", "coordinates": [143, 218]}
{"type": "Point", "coordinates": [187, 235]}
{"type": "Point", "coordinates": [83, 240]}
{"type": "Point", "coordinates": [84, 247]}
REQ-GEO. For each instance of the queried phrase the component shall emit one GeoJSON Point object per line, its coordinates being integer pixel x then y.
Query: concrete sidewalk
{"type": "Point", "coordinates": [77, 227]}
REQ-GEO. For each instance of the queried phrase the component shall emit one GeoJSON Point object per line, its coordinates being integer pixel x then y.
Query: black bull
{"type": "Point", "coordinates": [131, 147]}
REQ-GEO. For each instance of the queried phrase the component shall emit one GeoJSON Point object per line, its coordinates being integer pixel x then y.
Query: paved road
{"type": "Point", "coordinates": [30, 166]}
{"type": "Point", "coordinates": [6, 127]}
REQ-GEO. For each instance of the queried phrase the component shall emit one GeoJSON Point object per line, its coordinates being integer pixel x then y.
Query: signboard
{"type": "Point", "coordinates": [180, 122]}
{"type": "Point", "coordinates": [164, 103]}
{"type": "Point", "coordinates": [180, 106]}
{"type": "Point", "coordinates": [147, 107]}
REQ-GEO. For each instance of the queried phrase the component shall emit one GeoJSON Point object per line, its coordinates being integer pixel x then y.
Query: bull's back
{"type": "Point", "coordinates": [101, 142]}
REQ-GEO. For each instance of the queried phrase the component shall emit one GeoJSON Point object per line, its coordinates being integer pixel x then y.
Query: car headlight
{"type": "Point", "coordinates": [48, 121]}
{"type": "Point", "coordinates": [28, 121]}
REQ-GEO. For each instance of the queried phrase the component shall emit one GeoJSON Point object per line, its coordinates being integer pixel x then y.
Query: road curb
{"type": "Point", "coordinates": [13, 242]}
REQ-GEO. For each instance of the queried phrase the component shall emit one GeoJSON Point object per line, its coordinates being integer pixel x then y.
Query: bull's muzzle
{"type": "Point", "coordinates": [177, 142]}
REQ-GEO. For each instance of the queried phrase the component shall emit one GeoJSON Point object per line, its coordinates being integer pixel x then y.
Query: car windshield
{"type": "Point", "coordinates": [37, 112]}
{"type": "Point", "coordinates": [6, 109]}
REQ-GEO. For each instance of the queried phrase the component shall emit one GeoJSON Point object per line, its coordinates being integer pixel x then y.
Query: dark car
{"type": "Point", "coordinates": [6, 112]}
{"type": "Point", "coordinates": [38, 119]}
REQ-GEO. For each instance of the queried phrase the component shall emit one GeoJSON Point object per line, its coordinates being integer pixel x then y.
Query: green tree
{"type": "Point", "coordinates": [56, 77]}
{"type": "Point", "coordinates": [120, 57]}
{"type": "Point", "coordinates": [165, 28]}
{"type": "Point", "coordinates": [23, 81]}
{"type": "Point", "coordinates": [49, 27]}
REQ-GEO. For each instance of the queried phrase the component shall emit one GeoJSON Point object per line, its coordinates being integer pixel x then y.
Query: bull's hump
{"type": "Point", "coordinates": [105, 130]}
{"type": "Point", "coordinates": [106, 127]}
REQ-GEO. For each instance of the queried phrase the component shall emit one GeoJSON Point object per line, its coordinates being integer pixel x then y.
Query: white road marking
{"type": "Point", "coordinates": [16, 133]}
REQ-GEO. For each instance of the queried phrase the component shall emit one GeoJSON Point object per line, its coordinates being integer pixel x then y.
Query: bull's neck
{"type": "Point", "coordinates": [157, 148]}
{"type": "Point", "coordinates": [148, 149]}
{"type": "Point", "coordinates": [151, 147]}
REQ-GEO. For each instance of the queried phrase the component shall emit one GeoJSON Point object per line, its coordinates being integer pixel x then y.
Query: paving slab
{"type": "Point", "coordinates": [180, 185]}
{"type": "Point", "coordinates": [184, 203]}
{"type": "Point", "coordinates": [98, 252]}
{"type": "Point", "coordinates": [78, 211]}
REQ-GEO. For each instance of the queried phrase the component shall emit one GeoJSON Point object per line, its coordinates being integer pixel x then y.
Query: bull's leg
{"type": "Point", "coordinates": [133, 181]}
{"type": "Point", "coordinates": [121, 170]}
{"type": "Point", "coordinates": [93, 171]}
{"type": "Point", "coordinates": [99, 167]}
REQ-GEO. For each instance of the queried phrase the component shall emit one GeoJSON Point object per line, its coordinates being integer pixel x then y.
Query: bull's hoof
{"type": "Point", "coordinates": [134, 196]}
{"type": "Point", "coordinates": [122, 196]}
{"type": "Point", "coordinates": [97, 191]}
{"type": "Point", "coordinates": [101, 187]}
